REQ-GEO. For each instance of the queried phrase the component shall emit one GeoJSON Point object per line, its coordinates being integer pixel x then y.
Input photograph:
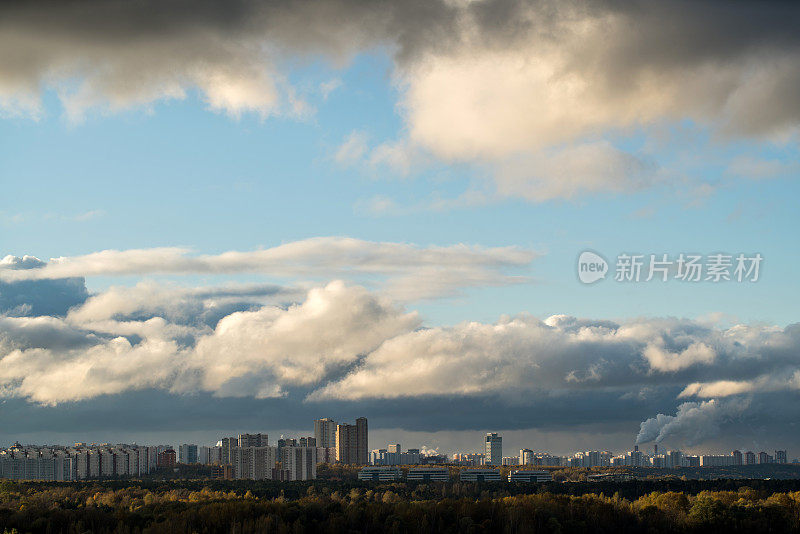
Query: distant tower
{"type": "Point", "coordinates": [325, 432]}
{"type": "Point", "coordinates": [494, 449]}
{"type": "Point", "coordinates": [655, 449]}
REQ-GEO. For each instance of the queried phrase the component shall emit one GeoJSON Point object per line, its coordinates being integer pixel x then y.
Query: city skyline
{"type": "Point", "coordinates": [568, 223]}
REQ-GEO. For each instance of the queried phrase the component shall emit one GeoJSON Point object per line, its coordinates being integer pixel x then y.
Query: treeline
{"type": "Point", "coordinates": [209, 507]}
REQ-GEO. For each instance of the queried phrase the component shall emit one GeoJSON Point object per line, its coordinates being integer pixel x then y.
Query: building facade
{"type": "Point", "coordinates": [187, 453]}
{"type": "Point", "coordinates": [494, 449]}
{"type": "Point", "coordinates": [325, 432]}
{"type": "Point", "coordinates": [352, 443]}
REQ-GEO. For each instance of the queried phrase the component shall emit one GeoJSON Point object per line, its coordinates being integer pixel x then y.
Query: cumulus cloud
{"type": "Point", "coordinates": [249, 353]}
{"type": "Point", "coordinates": [662, 360]}
{"type": "Point", "coordinates": [299, 346]}
{"type": "Point", "coordinates": [342, 344]}
{"type": "Point", "coordinates": [412, 271]}
{"type": "Point", "coordinates": [182, 305]}
{"type": "Point", "coordinates": [41, 297]}
{"type": "Point", "coordinates": [523, 356]}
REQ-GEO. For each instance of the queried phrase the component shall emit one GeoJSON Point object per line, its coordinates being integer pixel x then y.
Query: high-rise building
{"type": "Point", "coordinates": [352, 443]}
{"type": "Point", "coordinates": [307, 442]}
{"type": "Point", "coordinates": [301, 462]}
{"type": "Point", "coordinates": [325, 432]}
{"type": "Point", "coordinates": [737, 455]}
{"type": "Point", "coordinates": [749, 458]}
{"type": "Point", "coordinates": [166, 458]}
{"type": "Point", "coordinates": [780, 457]}
{"type": "Point", "coordinates": [254, 463]}
{"type": "Point", "coordinates": [494, 449]}
{"type": "Point", "coordinates": [227, 444]}
{"type": "Point", "coordinates": [187, 453]}
{"type": "Point", "coordinates": [253, 440]}
{"type": "Point", "coordinates": [525, 457]}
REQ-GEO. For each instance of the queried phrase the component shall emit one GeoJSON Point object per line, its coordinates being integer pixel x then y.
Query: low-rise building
{"type": "Point", "coordinates": [480, 475]}
{"type": "Point", "coordinates": [380, 473]}
{"type": "Point", "coordinates": [428, 474]}
{"type": "Point", "coordinates": [525, 475]}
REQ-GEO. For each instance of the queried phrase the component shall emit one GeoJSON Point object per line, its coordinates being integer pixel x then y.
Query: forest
{"type": "Point", "coordinates": [204, 506]}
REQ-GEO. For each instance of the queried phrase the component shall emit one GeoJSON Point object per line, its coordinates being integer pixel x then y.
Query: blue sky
{"type": "Point", "coordinates": [448, 162]}
{"type": "Point", "coordinates": [179, 174]}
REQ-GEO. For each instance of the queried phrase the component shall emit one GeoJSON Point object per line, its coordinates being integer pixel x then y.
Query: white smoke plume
{"type": "Point", "coordinates": [693, 422]}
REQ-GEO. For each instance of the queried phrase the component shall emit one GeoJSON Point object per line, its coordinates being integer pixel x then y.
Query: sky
{"type": "Point", "coordinates": [222, 217]}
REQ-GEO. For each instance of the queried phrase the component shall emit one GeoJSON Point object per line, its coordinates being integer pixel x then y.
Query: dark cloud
{"type": "Point", "coordinates": [41, 297]}
{"type": "Point", "coordinates": [111, 44]}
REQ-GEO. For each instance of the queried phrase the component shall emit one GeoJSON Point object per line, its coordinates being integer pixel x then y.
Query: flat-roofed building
{"type": "Point", "coordinates": [717, 460]}
{"type": "Point", "coordinates": [525, 475]}
{"type": "Point", "coordinates": [380, 473]}
{"type": "Point", "coordinates": [428, 474]}
{"type": "Point", "coordinates": [480, 475]}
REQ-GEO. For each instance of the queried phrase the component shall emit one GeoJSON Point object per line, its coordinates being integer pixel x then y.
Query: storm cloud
{"type": "Point", "coordinates": [521, 87]}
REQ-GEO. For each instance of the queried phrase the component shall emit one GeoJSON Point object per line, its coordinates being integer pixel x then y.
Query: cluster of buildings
{"type": "Point", "coordinates": [442, 474]}
{"type": "Point", "coordinates": [675, 459]}
{"type": "Point", "coordinates": [81, 461]}
{"type": "Point", "coordinates": [246, 456]}
{"type": "Point", "coordinates": [493, 456]}
{"type": "Point", "coordinates": [394, 456]}
{"type": "Point", "coordinates": [250, 456]}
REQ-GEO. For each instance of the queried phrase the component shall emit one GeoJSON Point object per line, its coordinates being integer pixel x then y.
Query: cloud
{"type": "Point", "coordinates": [573, 171]}
{"type": "Point", "coordinates": [523, 356]}
{"type": "Point", "coordinates": [41, 297]}
{"type": "Point", "coordinates": [352, 150]}
{"type": "Point", "coordinates": [696, 353]}
{"type": "Point", "coordinates": [488, 83]}
{"type": "Point", "coordinates": [181, 305]}
{"type": "Point", "coordinates": [328, 87]}
{"type": "Point", "coordinates": [298, 346]}
{"type": "Point", "coordinates": [249, 353]}
{"type": "Point", "coordinates": [445, 269]}
{"type": "Point", "coordinates": [343, 345]}
{"type": "Point", "coordinates": [761, 168]}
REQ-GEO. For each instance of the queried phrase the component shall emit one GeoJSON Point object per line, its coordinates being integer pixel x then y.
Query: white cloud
{"type": "Point", "coordinates": [523, 355]}
{"type": "Point", "coordinates": [249, 353]}
{"type": "Point", "coordinates": [448, 269]}
{"type": "Point", "coordinates": [352, 149]}
{"type": "Point", "coordinates": [666, 361]}
{"type": "Point", "coordinates": [345, 343]}
{"type": "Point", "coordinates": [299, 346]}
{"type": "Point", "coordinates": [328, 87]}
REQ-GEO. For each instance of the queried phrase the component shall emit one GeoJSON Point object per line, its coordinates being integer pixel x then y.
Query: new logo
{"type": "Point", "coordinates": [591, 267]}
